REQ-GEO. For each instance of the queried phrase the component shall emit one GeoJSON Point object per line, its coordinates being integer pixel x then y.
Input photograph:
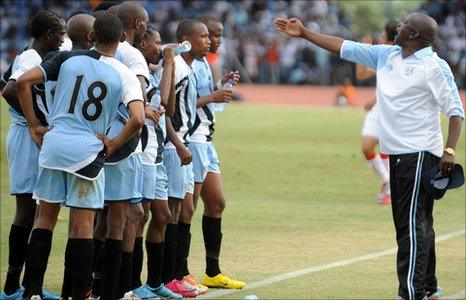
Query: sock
{"type": "Point", "coordinates": [81, 263]}
{"type": "Point", "coordinates": [212, 231]}
{"type": "Point", "coordinates": [386, 161]}
{"type": "Point", "coordinates": [377, 165]}
{"type": "Point", "coordinates": [111, 261]}
{"type": "Point", "coordinates": [40, 246]}
{"type": "Point", "coordinates": [17, 242]}
{"type": "Point", "coordinates": [25, 282]}
{"type": "Point", "coordinates": [154, 263]}
{"type": "Point", "coordinates": [138, 258]}
{"type": "Point", "coordinates": [97, 265]}
{"type": "Point", "coordinates": [124, 280]}
{"type": "Point", "coordinates": [169, 253]}
{"type": "Point", "coordinates": [67, 286]}
{"type": "Point", "coordinates": [183, 249]}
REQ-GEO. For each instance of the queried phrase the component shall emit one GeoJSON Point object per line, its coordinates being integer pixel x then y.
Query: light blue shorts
{"type": "Point", "coordinates": [180, 179]}
{"type": "Point", "coordinates": [124, 180]}
{"type": "Point", "coordinates": [56, 186]}
{"type": "Point", "coordinates": [155, 183]}
{"type": "Point", "coordinates": [205, 159]}
{"type": "Point", "coordinates": [23, 160]}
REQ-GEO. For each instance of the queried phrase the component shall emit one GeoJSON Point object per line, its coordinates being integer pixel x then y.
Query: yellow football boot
{"type": "Point", "coordinates": [221, 281]}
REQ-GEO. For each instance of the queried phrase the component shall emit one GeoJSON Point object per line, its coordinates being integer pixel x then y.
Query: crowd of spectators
{"type": "Point", "coordinates": [251, 43]}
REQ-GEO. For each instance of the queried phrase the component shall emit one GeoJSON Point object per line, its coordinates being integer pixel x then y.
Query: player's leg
{"type": "Point", "coordinates": [84, 197]}
{"type": "Point", "coordinates": [22, 162]}
{"type": "Point", "coordinates": [46, 219]}
{"type": "Point", "coordinates": [177, 176]}
{"type": "Point", "coordinates": [100, 230]}
{"type": "Point", "coordinates": [133, 219]}
{"type": "Point", "coordinates": [214, 205]}
{"type": "Point", "coordinates": [370, 134]}
{"type": "Point", "coordinates": [113, 247]}
{"type": "Point", "coordinates": [123, 183]}
{"type": "Point", "coordinates": [138, 251]}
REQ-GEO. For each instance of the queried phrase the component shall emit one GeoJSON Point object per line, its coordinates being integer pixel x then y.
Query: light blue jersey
{"type": "Point", "coordinates": [85, 103]}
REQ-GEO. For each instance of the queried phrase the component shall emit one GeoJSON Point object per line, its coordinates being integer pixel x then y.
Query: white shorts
{"type": "Point", "coordinates": [371, 123]}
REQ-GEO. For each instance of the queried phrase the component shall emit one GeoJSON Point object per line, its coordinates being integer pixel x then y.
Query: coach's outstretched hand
{"type": "Point", "coordinates": [292, 27]}
{"type": "Point", "coordinates": [37, 134]}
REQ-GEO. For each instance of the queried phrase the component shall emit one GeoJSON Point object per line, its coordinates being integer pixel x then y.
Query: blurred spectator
{"type": "Point", "coordinates": [346, 94]}
{"type": "Point", "coordinates": [251, 42]}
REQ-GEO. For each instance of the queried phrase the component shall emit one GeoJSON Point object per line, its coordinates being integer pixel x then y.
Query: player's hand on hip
{"type": "Point", "coordinates": [37, 134]}
{"type": "Point", "coordinates": [292, 27]}
{"type": "Point", "coordinates": [221, 96]}
{"type": "Point", "coordinates": [184, 154]}
{"type": "Point", "coordinates": [152, 114]}
{"type": "Point", "coordinates": [109, 146]}
{"type": "Point", "coordinates": [447, 163]}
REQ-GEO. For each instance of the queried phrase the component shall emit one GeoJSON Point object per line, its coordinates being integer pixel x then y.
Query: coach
{"type": "Point", "coordinates": [413, 86]}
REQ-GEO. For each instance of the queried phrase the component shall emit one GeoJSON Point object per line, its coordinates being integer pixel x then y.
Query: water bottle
{"type": "Point", "coordinates": [183, 47]}
{"type": "Point", "coordinates": [220, 107]}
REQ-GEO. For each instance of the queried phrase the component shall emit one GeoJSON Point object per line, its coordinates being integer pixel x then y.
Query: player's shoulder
{"type": "Point", "coordinates": [29, 55]}
{"type": "Point", "coordinates": [126, 51]}
{"type": "Point", "coordinates": [182, 69]}
{"type": "Point", "coordinates": [119, 67]}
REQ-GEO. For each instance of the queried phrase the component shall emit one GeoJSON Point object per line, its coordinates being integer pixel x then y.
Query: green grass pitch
{"type": "Point", "coordinates": [299, 195]}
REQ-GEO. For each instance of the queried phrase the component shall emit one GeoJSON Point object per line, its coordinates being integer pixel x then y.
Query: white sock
{"type": "Point", "coordinates": [386, 163]}
{"type": "Point", "coordinates": [379, 168]}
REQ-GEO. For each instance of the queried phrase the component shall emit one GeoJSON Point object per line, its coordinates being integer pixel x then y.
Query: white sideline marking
{"type": "Point", "coordinates": [460, 295]}
{"type": "Point", "coordinates": [335, 264]}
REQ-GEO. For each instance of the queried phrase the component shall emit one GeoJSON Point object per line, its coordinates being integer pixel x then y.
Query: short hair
{"type": "Point", "coordinates": [104, 5]}
{"type": "Point", "coordinates": [150, 32]}
{"type": "Point", "coordinates": [128, 11]}
{"type": "Point", "coordinates": [44, 21]}
{"type": "Point", "coordinates": [186, 27]}
{"type": "Point", "coordinates": [107, 28]}
{"type": "Point", "coordinates": [390, 30]}
{"type": "Point", "coordinates": [208, 20]}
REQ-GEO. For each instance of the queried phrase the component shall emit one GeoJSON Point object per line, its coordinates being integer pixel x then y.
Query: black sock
{"type": "Point", "coordinates": [169, 253]}
{"type": "Point", "coordinates": [124, 280]}
{"type": "Point", "coordinates": [25, 282]}
{"type": "Point", "coordinates": [138, 257]}
{"type": "Point", "coordinates": [81, 262]}
{"type": "Point", "coordinates": [154, 263]}
{"type": "Point", "coordinates": [17, 243]}
{"type": "Point", "coordinates": [183, 250]}
{"type": "Point", "coordinates": [97, 265]}
{"type": "Point", "coordinates": [67, 286]}
{"type": "Point", "coordinates": [40, 246]}
{"type": "Point", "coordinates": [212, 231]}
{"type": "Point", "coordinates": [111, 257]}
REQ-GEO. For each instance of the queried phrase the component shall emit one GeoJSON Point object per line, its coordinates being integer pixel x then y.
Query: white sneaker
{"type": "Point", "coordinates": [130, 296]}
{"type": "Point", "coordinates": [35, 297]}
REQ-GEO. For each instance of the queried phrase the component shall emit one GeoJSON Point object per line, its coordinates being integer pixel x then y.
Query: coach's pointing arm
{"type": "Point", "coordinates": [294, 27]}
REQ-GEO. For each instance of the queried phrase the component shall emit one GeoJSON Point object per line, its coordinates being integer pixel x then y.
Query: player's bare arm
{"type": "Point", "coordinates": [166, 81]}
{"type": "Point", "coordinates": [182, 151]}
{"type": "Point", "coordinates": [24, 86]}
{"type": "Point", "coordinates": [219, 96]}
{"type": "Point", "coordinates": [134, 124]}
{"type": "Point", "coordinates": [295, 28]}
{"type": "Point", "coordinates": [170, 109]}
{"type": "Point", "coordinates": [10, 94]}
{"type": "Point", "coordinates": [454, 129]}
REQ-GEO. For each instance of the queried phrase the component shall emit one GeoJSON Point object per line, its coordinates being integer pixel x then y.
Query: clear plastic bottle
{"type": "Point", "coordinates": [183, 47]}
{"type": "Point", "coordinates": [220, 107]}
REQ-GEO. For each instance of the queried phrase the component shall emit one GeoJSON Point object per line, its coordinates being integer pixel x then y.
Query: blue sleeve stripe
{"type": "Point", "coordinates": [454, 89]}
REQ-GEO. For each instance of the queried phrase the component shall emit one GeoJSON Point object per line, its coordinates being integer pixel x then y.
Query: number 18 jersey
{"type": "Point", "coordinates": [88, 91]}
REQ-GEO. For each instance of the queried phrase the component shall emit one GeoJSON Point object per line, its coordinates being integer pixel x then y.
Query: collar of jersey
{"type": "Point", "coordinates": [427, 51]}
